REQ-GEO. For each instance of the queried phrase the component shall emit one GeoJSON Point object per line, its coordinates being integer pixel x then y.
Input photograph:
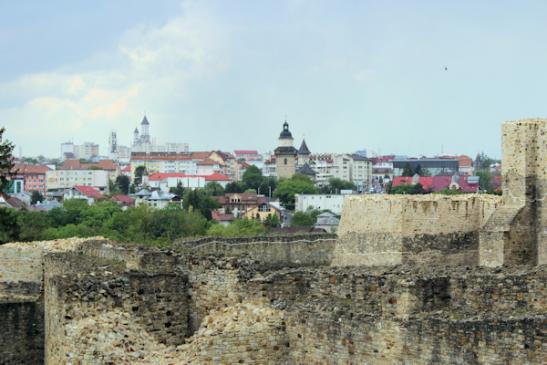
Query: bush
{"type": "Point", "coordinates": [239, 227]}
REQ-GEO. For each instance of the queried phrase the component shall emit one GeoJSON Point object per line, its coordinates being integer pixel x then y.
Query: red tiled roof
{"type": "Point", "coordinates": [106, 165]}
{"type": "Point", "coordinates": [71, 165]}
{"type": "Point", "coordinates": [89, 191]}
{"type": "Point", "coordinates": [402, 180]}
{"type": "Point", "coordinates": [246, 152]}
{"type": "Point", "coordinates": [425, 181]}
{"type": "Point", "coordinates": [217, 177]}
{"type": "Point", "coordinates": [437, 183]}
{"type": "Point", "coordinates": [208, 162]}
{"type": "Point", "coordinates": [77, 165]}
{"type": "Point", "coordinates": [465, 161]}
{"type": "Point", "coordinates": [23, 168]}
{"type": "Point", "coordinates": [164, 175]}
{"type": "Point", "coordinates": [379, 159]}
{"type": "Point", "coordinates": [467, 187]}
{"type": "Point", "coordinates": [124, 199]}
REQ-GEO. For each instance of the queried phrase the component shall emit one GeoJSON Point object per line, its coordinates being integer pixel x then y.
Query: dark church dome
{"type": "Point", "coordinates": [285, 133]}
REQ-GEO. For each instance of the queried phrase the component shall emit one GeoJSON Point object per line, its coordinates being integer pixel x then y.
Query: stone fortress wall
{"type": "Point", "coordinates": [166, 306]}
{"type": "Point", "coordinates": [409, 280]}
{"type": "Point", "coordinates": [390, 230]}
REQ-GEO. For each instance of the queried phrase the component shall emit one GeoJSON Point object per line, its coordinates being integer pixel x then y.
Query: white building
{"type": "Point", "coordinates": [86, 151]}
{"type": "Point", "coordinates": [143, 141]}
{"type": "Point", "coordinates": [332, 202]}
{"type": "Point", "coordinates": [166, 181]}
{"type": "Point", "coordinates": [354, 168]}
{"type": "Point", "coordinates": [66, 179]}
{"type": "Point", "coordinates": [361, 172]}
{"type": "Point", "coordinates": [156, 199]}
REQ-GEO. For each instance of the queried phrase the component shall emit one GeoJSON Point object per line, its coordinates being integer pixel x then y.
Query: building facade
{"type": "Point", "coordinates": [332, 202]}
{"type": "Point", "coordinates": [34, 176]}
{"type": "Point", "coordinates": [67, 179]}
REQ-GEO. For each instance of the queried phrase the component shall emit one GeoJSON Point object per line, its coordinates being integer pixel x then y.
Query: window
{"type": "Point", "coordinates": [285, 161]}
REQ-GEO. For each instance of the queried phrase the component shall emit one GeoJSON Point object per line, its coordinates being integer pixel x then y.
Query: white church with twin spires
{"type": "Point", "coordinates": [143, 142]}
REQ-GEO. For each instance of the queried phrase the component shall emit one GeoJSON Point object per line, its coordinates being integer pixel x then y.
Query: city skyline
{"type": "Point", "coordinates": [390, 77]}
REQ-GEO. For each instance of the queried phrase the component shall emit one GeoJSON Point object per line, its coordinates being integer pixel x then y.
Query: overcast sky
{"type": "Point", "coordinates": [224, 74]}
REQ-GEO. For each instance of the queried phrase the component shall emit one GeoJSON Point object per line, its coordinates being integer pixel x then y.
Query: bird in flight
{"type": "Point", "coordinates": [445, 68]}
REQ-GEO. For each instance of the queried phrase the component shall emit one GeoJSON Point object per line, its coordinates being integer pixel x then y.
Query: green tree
{"type": "Point", "coordinates": [288, 188]}
{"type": "Point", "coordinates": [6, 161]}
{"type": "Point", "coordinates": [32, 225]}
{"type": "Point", "coordinates": [69, 213]}
{"type": "Point", "coordinates": [139, 172]}
{"type": "Point", "coordinates": [178, 190]}
{"type": "Point", "coordinates": [214, 189]}
{"type": "Point", "coordinates": [335, 185]}
{"type": "Point", "coordinates": [272, 221]}
{"type": "Point", "coordinates": [252, 178]}
{"type": "Point", "coordinates": [485, 180]}
{"type": "Point", "coordinates": [268, 185]}
{"type": "Point", "coordinates": [199, 200]}
{"type": "Point", "coordinates": [418, 170]}
{"type": "Point", "coordinates": [407, 170]}
{"type": "Point", "coordinates": [36, 197]}
{"type": "Point", "coordinates": [304, 219]}
{"type": "Point", "coordinates": [235, 187]}
{"type": "Point", "coordinates": [483, 162]}
{"type": "Point", "coordinates": [122, 184]}
{"type": "Point", "coordinates": [239, 227]}
{"type": "Point", "coordinates": [9, 229]}
{"type": "Point", "coordinates": [448, 191]}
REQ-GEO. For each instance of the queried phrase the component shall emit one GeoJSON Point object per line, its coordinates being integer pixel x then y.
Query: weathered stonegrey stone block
{"type": "Point", "coordinates": [391, 230]}
{"type": "Point", "coordinates": [516, 232]}
{"type": "Point", "coordinates": [22, 333]}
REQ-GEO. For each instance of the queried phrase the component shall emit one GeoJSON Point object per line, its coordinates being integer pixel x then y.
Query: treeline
{"type": "Point", "coordinates": [140, 225]}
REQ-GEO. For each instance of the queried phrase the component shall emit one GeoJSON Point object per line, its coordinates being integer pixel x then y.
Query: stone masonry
{"type": "Point", "coordinates": [492, 231]}
{"type": "Point", "coordinates": [409, 280]}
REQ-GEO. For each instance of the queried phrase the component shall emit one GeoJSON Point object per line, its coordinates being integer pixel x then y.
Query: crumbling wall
{"type": "Point", "coordinates": [390, 230]}
{"type": "Point", "coordinates": [370, 316]}
{"type": "Point", "coordinates": [332, 338]}
{"type": "Point", "coordinates": [271, 251]}
{"type": "Point", "coordinates": [79, 286]}
{"type": "Point", "coordinates": [21, 301]}
{"type": "Point", "coordinates": [516, 233]}
{"type": "Point", "coordinates": [246, 333]}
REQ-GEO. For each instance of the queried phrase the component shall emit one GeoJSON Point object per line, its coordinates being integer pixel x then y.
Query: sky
{"type": "Point", "coordinates": [404, 77]}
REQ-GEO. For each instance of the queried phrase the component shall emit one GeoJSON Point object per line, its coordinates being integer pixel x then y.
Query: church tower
{"type": "Point", "coordinates": [136, 138]}
{"type": "Point", "coordinates": [303, 154]}
{"type": "Point", "coordinates": [285, 154]}
{"type": "Point", "coordinates": [145, 129]}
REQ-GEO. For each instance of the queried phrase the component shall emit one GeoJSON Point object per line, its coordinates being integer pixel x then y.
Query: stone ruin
{"type": "Point", "coordinates": [408, 280]}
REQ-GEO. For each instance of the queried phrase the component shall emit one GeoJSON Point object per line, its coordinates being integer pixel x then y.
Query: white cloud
{"type": "Point", "coordinates": [158, 64]}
